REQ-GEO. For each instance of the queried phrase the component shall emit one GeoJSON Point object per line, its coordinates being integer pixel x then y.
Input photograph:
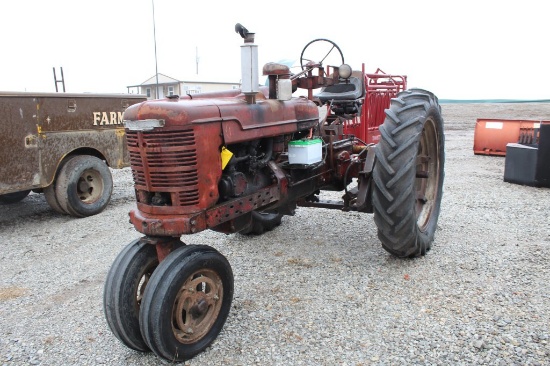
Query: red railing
{"type": "Point", "coordinates": [379, 89]}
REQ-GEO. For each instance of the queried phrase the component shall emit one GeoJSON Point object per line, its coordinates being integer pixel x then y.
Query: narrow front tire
{"type": "Point", "coordinates": [186, 302]}
{"type": "Point", "coordinates": [126, 282]}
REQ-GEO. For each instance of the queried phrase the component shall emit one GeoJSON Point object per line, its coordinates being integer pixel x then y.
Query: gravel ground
{"type": "Point", "coordinates": [319, 289]}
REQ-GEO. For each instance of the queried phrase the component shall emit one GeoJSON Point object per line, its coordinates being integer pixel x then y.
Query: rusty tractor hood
{"type": "Point", "coordinates": [239, 120]}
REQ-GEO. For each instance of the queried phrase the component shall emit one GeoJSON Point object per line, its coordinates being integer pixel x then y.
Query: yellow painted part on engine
{"type": "Point", "coordinates": [226, 156]}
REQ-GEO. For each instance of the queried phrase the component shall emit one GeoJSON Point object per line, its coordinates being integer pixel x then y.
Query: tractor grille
{"type": "Point", "coordinates": [169, 160]}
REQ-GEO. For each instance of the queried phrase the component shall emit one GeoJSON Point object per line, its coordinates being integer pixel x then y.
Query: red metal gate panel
{"type": "Point", "coordinates": [379, 89]}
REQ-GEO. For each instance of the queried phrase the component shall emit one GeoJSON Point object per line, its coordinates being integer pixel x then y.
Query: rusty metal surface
{"type": "Point", "coordinates": [234, 208]}
{"type": "Point", "coordinates": [19, 152]}
{"type": "Point", "coordinates": [164, 245]}
{"type": "Point", "coordinates": [328, 204]}
{"type": "Point", "coordinates": [37, 130]}
{"type": "Point", "coordinates": [177, 166]}
{"type": "Point", "coordinates": [197, 305]}
{"type": "Point", "coordinates": [168, 221]}
{"type": "Point", "coordinates": [184, 164]}
{"type": "Point", "coordinates": [364, 194]}
{"type": "Point", "coordinates": [54, 146]}
{"type": "Point", "coordinates": [240, 121]}
{"type": "Point", "coordinates": [380, 88]}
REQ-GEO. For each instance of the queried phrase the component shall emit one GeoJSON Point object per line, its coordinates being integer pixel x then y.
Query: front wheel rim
{"type": "Point", "coordinates": [197, 306]}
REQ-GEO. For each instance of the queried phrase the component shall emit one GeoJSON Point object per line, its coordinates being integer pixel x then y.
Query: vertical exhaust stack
{"type": "Point", "coordinates": [249, 64]}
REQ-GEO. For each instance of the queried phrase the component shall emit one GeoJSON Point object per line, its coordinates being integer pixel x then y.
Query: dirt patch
{"type": "Point", "coordinates": [8, 293]}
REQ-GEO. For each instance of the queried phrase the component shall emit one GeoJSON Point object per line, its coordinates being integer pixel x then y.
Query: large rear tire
{"type": "Point", "coordinates": [408, 173]}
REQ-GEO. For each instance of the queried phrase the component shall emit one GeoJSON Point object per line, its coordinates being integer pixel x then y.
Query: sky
{"type": "Point", "coordinates": [458, 49]}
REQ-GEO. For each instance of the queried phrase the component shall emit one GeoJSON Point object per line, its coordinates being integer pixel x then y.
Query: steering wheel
{"type": "Point", "coordinates": [321, 50]}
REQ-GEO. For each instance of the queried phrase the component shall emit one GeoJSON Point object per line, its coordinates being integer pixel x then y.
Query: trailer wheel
{"type": "Point", "coordinates": [84, 186]}
{"type": "Point", "coordinates": [49, 194]}
{"type": "Point", "coordinates": [408, 173]}
{"type": "Point", "coordinates": [186, 302]}
{"type": "Point", "coordinates": [126, 281]}
{"type": "Point", "coordinates": [262, 222]}
{"type": "Point", "coordinates": [14, 197]}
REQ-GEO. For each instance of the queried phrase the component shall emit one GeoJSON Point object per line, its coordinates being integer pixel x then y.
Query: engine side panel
{"type": "Point", "coordinates": [267, 118]}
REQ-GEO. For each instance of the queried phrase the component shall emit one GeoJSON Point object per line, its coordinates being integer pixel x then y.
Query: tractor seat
{"type": "Point", "coordinates": [274, 68]}
{"type": "Point", "coordinates": [342, 91]}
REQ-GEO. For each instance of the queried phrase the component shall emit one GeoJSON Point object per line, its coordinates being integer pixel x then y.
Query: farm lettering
{"type": "Point", "coordinates": [107, 118]}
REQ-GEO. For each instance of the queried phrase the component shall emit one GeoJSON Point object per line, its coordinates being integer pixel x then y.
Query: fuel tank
{"type": "Point", "coordinates": [240, 121]}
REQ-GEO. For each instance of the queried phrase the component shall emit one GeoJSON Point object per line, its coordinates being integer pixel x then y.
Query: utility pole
{"type": "Point", "coordinates": [155, 40]}
{"type": "Point", "coordinates": [197, 58]}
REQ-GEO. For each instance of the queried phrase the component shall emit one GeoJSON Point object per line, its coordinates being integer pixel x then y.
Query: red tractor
{"type": "Point", "coordinates": [237, 161]}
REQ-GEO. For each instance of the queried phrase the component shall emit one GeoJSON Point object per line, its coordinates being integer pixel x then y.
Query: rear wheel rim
{"type": "Point", "coordinates": [427, 174]}
{"type": "Point", "coordinates": [90, 186]}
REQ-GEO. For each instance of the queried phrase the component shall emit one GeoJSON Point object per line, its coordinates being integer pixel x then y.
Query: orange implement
{"type": "Point", "coordinates": [492, 135]}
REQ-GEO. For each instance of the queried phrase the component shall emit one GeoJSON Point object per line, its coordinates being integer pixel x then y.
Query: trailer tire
{"type": "Point", "coordinates": [51, 198]}
{"type": "Point", "coordinates": [408, 173]}
{"type": "Point", "coordinates": [84, 186]}
{"type": "Point", "coordinates": [262, 222]}
{"type": "Point", "coordinates": [14, 197]}
{"type": "Point", "coordinates": [186, 302]}
{"type": "Point", "coordinates": [50, 195]}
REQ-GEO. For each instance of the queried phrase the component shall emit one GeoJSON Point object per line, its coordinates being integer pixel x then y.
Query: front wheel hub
{"type": "Point", "coordinates": [197, 306]}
